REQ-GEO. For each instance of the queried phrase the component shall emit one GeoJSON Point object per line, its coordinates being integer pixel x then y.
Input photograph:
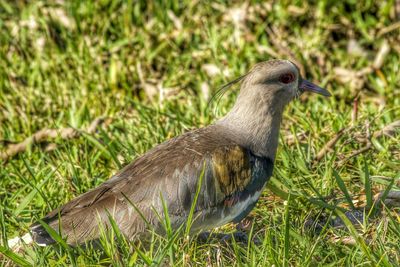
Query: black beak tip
{"type": "Point", "coordinates": [310, 87]}
{"type": "Point", "coordinates": [327, 93]}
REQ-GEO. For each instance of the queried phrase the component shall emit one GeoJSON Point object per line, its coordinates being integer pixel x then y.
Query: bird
{"type": "Point", "coordinates": [224, 167]}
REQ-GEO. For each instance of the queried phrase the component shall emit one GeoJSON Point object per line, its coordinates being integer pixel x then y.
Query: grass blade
{"type": "Point", "coordinates": [58, 238]}
{"type": "Point", "coordinates": [196, 196]}
{"type": "Point", "coordinates": [389, 188]}
{"type": "Point", "coordinates": [18, 260]}
{"type": "Point", "coordinates": [360, 241]}
{"type": "Point", "coordinates": [343, 188]}
{"type": "Point", "coordinates": [367, 185]}
{"type": "Point", "coordinates": [287, 233]}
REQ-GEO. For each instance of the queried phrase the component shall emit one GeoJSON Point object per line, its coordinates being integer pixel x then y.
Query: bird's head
{"type": "Point", "coordinates": [278, 81]}
{"type": "Point", "coordinates": [266, 89]}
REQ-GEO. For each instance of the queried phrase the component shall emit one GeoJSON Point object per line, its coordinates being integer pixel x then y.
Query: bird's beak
{"type": "Point", "coordinates": [309, 86]}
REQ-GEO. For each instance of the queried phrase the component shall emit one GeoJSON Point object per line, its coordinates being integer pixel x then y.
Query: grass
{"type": "Point", "coordinates": [151, 68]}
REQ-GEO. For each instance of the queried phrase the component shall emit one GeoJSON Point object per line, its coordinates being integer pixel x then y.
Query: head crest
{"type": "Point", "coordinates": [222, 90]}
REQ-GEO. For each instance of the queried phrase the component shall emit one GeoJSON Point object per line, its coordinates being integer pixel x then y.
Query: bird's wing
{"type": "Point", "coordinates": [170, 170]}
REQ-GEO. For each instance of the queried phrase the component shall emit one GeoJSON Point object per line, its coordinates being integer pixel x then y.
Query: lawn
{"type": "Point", "coordinates": [88, 86]}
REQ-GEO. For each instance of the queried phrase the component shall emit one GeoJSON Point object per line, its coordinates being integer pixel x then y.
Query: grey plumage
{"type": "Point", "coordinates": [237, 151]}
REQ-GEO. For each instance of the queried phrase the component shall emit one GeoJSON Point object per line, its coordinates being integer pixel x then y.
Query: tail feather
{"type": "Point", "coordinates": [40, 236]}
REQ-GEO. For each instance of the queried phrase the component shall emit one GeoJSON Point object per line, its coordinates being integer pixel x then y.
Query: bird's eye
{"type": "Point", "coordinates": [287, 77]}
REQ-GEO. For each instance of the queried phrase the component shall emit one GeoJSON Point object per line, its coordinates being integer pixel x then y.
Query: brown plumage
{"type": "Point", "coordinates": [237, 154]}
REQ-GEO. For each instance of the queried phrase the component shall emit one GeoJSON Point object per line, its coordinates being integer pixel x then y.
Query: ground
{"type": "Point", "coordinates": [87, 86]}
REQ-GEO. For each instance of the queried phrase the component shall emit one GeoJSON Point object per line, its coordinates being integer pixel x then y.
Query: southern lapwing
{"type": "Point", "coordinates": [236, 154]}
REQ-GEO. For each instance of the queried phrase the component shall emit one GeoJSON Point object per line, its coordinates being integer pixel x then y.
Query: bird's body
{"type": "Point", "coordinates": [231, 184]}
{"type": "Point", "coordinates": [236, 155]}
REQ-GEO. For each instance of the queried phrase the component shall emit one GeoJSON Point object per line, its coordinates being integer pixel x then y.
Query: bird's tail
{"type": "Point", "coordinates": [40, 236]}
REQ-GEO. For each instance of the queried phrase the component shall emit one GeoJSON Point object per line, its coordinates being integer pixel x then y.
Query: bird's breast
{"type": "Point", "coordinates": [233, 185]}
{"type": "Point", "coordinates": [237, 209]}
{"type": "Point", "coordinates": [239, 204]}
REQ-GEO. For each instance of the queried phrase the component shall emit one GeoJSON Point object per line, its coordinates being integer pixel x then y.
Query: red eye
{"type": "Point", "coordinates": [287, 78]}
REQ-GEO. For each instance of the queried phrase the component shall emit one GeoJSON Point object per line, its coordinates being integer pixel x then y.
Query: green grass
{"type": "Point", "coordinates": [65, 63]}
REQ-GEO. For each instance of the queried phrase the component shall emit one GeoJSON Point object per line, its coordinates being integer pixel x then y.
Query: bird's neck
{"type": "Point", "coordinates": [255, 126]}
